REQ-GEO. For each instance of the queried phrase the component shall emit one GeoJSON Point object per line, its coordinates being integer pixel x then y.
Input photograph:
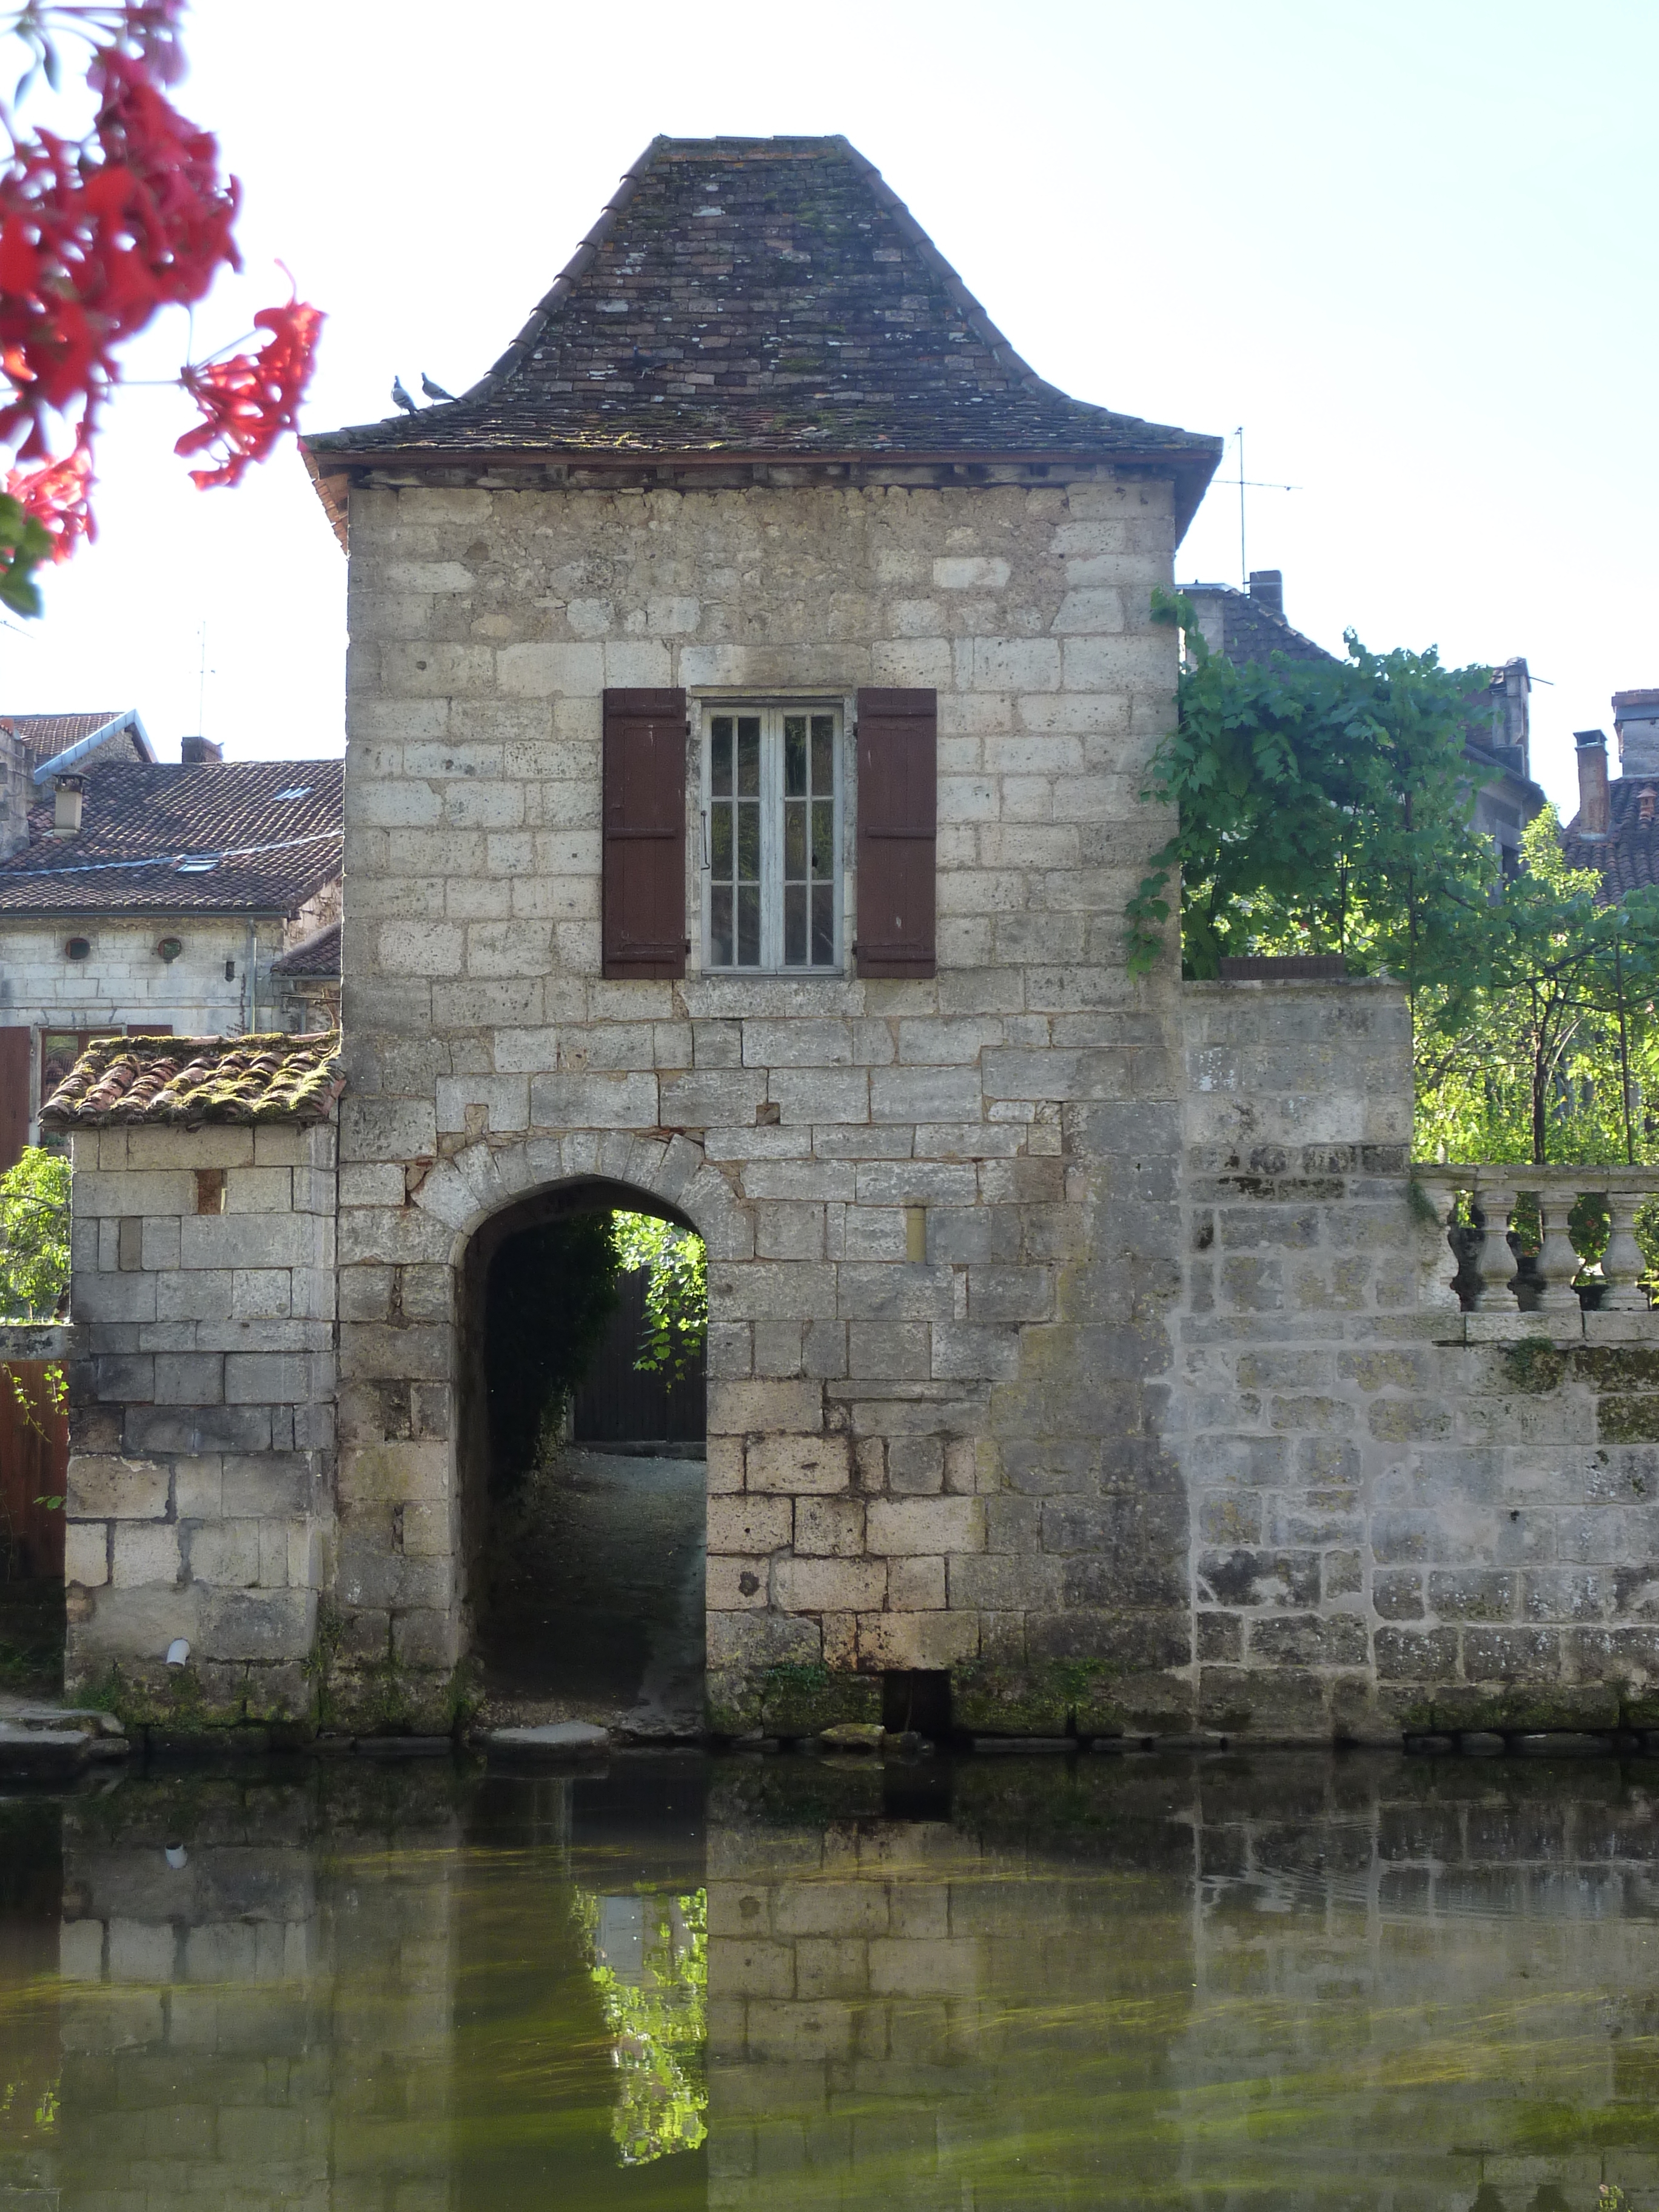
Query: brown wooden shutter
{"type": "Point", "coordinates": [898, 831]}
{"type": "Point", "coordinates": [14, 1096]}
{"type": "Point", "coordinates": [644, 887]}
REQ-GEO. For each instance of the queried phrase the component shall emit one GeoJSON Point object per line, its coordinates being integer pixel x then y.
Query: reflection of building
{"type": "Point", "coordinates": [141, 897]}
{"type": "Point", "coordinates": [1250, 626]}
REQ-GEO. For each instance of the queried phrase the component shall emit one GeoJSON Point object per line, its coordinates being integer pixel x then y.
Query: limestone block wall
{"type": "Point", "coordinates": [204, 992]}
{"type": "Point", "coordinates": [941, 1213]}
{"type": "Point", "coordinates": [202, 1414]}
{"type": "Point", "coordinates": [1401, 1515]}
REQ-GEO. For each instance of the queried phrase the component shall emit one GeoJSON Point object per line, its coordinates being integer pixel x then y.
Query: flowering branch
{"type": "Point", "coordinates": [96, 237]}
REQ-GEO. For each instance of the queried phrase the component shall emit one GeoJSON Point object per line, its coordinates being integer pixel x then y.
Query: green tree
{"type": "Point", "coordinates": [1547, 1041]}
{"type": "Point", "coordinates": [1321, 806]}
{"type": "Point", "coordinates": [677, 1295]}
{"type": "Point", "coordinates": [34, 1235]}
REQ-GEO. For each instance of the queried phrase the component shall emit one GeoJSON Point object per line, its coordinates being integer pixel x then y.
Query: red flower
{"type": "Point", "coordinates": [57, 495]}
{"type": "Point", "coordinates": [248, 401]}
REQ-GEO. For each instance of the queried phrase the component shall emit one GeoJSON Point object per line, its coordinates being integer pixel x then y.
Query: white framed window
{"type": "Point", "coordinates": [772, 839]}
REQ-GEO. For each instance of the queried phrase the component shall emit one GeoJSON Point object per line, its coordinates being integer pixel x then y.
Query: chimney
{"type": "Point", "coordinates": [66, 813]}
{"type": "Point", "coordinates": [1592, 782]}
{"type": "Point", "coordinates": [16, 793]}
{"type": "Point", "coordinates": [195, 751]}
{"type": "Point", "coordinates": [1268, 590]}
{"type": "Point", "coordinates": [1636, 719]}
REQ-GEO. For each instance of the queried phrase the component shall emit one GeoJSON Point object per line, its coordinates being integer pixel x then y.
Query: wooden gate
{"type": "Point", "coordinates": [617, 1404]}
{"type": "Point", "coordinates": [33, 1464]}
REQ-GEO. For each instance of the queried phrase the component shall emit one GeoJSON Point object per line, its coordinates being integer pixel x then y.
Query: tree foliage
{"type": "Point", "coordinates": [1321, 806]}
{"type": "Point", "coordinates": [34, 1235]}
{"type": "Point", "coordinates": [1547, 1043]}
{"type": "Point", "coordinates": [677, 1295]}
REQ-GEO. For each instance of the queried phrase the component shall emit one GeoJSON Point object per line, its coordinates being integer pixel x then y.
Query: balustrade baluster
{"type": "Point", "coordinates": [1557, 1261]}
{"type": "Point", "coordinates": [1622, 1263]}
{"type": "Point", "coordinates": [1437, 1263]}
{"type": "Point", "coordinates": [1494, 1262]}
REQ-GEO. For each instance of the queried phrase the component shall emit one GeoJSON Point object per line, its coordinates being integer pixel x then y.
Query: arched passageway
{"type": "Point", "coordinates": [583, 1545]}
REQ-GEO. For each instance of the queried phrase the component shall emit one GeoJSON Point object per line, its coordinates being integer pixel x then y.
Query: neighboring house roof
{"type": "Point", "coordinates": [46, 738]}
{"type": "Point", "coordinates": [262, 1078]}
{"type": "Point", "coordinates": [1628, 856]}
{"type": "Point", "coordinates": [318, 956]}
{"type": "Point", "coordinates": [764, 296]}
{"type": "Point", "coordinates": [158, 837]}
{"type": "Point", "coordinates": [1249, 630]}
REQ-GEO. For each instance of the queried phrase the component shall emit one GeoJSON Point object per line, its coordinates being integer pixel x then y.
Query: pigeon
{"type": "Point", "coordinates": [433, 391]}
{"type": "Point", "coordinates": [401, 398]}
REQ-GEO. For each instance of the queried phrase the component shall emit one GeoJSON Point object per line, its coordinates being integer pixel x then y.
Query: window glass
{"type": "Point", "coordinates": [772, 839]}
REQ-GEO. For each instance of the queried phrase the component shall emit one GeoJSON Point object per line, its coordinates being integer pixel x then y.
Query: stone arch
{"type": "Point", "coordinates": [487, 1195]}
{"type": "Point", "coordinates": [464, 1192]}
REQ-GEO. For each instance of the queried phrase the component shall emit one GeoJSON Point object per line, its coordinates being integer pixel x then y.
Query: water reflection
{"type": "Point", "coordinates": [1279, 1981]}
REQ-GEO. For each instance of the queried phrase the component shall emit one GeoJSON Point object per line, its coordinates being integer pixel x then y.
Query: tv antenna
{"type": "Point", "coordinates": [202, 675]}
{"type": "Point", "coordinates": [1248, 484]}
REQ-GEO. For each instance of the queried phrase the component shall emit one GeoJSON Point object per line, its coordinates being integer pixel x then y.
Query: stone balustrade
{"type": "Point", "coordinates": [1561, 1294]}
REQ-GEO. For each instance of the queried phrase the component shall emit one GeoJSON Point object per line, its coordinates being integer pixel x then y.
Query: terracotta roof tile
{"type": "Point", "coordinates": [268, 833]}
{"type": "Point", "coordinates": [43, 737]}
{"type": "Point", "coordinates": [1251, 632]}
{"type": "Point", "coordinates": [1628, 857]}
{"type": "Point", "coordinates": [764, 296]}
{"type": "Point", "coordinates": [264, 1078]}
{"type": "Point", "coordinates": [316, 955]}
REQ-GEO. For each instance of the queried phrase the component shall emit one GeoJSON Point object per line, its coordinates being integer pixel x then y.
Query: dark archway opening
{"type": "Point", "coordinates": [584, 1507]}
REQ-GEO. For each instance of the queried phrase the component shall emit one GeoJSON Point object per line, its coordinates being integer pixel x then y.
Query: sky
{"type": "Point", "coordinates": [1408, 247]}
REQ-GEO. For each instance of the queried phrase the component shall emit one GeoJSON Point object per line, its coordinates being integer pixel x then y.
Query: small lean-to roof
{"type": "Point", "coordinates": [160, 837]}
{"type": "Point", "coordinates": [191, 1080]}
{"type": "Point", "coordinates": [316, 956]}
{"type": "Point", "coordinates": [756, 298]}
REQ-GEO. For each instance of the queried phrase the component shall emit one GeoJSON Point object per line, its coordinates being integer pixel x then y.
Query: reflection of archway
{"type": "Point", "coordinates": [584, 1570]}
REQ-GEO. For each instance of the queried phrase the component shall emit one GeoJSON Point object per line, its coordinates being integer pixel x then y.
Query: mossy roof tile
{"type": "Point", "coordinates": [190, 1080]}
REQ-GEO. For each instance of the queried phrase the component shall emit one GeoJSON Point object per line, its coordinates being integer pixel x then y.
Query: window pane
{"type": "Point", "coordinates": [824, 838]}
{"type": "Point", "coordinates": [794, 756]}
{"type": "Point", "coordinates": [749, 844]}
{"type": "Point", "coordinates": [719, 757]}
{"type": "Point", "coordinates": [719, 925]}
{"type": "Point", "coordinates": [719, 843]}
{"type": "Point", "coordinates": [824, 925]}
{"type": "Point", "coordinates": [823, 754]}
{"type": "Point", "coordinates": [795, 925]}
{"type": "Point", "coordinates": [794, 840]}
{"type": "Point", "coordinates": [749, 755]}
{"type": "Point", "coordinates": [749, 926]}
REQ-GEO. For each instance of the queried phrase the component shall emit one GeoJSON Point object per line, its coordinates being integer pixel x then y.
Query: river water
{"type": "Point", "coordinates": [1277, 1980]}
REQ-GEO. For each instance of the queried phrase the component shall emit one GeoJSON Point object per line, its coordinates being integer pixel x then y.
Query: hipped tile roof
{"type": "Point", "coordinates": [140, 819]}
{"type": "Point", "coordinates": [764, 296]}
{"type": "Point", "coordinates": [191, 1080]}
{"type": "Point", "coordinates": [1627, 858]}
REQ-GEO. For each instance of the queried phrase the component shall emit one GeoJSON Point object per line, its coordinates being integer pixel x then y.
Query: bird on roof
{"type": "Point", "coordinates": [433, 391]}
{"type": "Point", "coordinates": [401, 398]}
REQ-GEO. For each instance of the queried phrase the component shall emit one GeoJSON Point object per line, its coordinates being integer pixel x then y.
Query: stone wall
{"type": "Point", "coordinates": [941, 1214]}
{"type": "Point", "coordinates": [1401, 1515]}
{"type": "Point", "coordinates": [201, 1473]}
{"type": "Point", "coordinates": [124, 979]}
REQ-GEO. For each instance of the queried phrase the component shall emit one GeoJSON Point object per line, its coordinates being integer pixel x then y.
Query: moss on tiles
{"type": "Point", "coordinates": [267, 1077]}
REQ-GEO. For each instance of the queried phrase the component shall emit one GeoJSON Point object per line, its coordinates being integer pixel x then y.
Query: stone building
{"type": "Point", "coordinates": [1250, 626]}
{"type": "Point", "coordinates": [144, 898]}
{"type": "Point", "coordinates": [751, 684]}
